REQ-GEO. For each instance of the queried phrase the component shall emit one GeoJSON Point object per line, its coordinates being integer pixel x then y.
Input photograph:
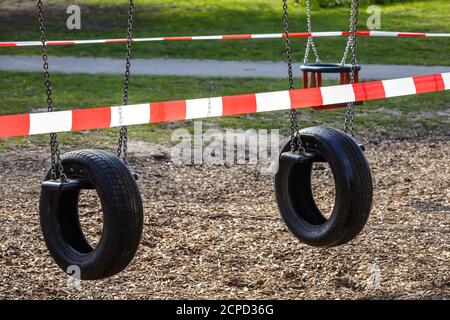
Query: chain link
{"type": "Point", "coordinates": [122, 148]}
{"type": "Point", "coordinates": [57, 169]}
{"type": "Point", "coordinates": [295, 140]}
{"type": "Point", "coordinates": [310, 44]}
{"type": "Point", "coordinates": [349, 125]}
{"type": "Point", "coordinates": [354, 17]}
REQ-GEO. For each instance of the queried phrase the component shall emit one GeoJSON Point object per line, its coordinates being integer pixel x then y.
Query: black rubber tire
{"type": "Point", "coordinates": [353, 188]}
{"type": "Point", "coordinates": [122, 216]}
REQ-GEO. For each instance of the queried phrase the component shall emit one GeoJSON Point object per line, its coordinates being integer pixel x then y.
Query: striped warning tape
{"type": "Point", "coordinates": [228, 37]}
{"type": "Point", "coordinates": [109, 117]}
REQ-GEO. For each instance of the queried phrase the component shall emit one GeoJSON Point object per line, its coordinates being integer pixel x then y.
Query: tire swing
{"type": "Point", "coordinates": [96, 170]}
{"type": "Point", "coordinates": [351, 173]}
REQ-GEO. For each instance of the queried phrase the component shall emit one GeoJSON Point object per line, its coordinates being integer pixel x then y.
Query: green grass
{"type": "Point", "coordinates": [107, 18]}
{"type": "Point", "coordinates": [23, 92]}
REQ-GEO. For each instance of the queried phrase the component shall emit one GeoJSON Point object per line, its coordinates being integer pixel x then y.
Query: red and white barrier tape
{"type": "Point", "coordinates": [227, 37]}
{"type": "Point", "coordinates": [109, 117]}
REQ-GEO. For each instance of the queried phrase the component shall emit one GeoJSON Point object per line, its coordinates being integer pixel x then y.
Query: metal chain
{"type": "Point", "coordinates": [57, 169]}
{"type": "Point", "coordinates": [122, 149]}
{"type": "Point", "coordinates": [349, 125]}
{"type": "Point", "coordinates": [310, 44]}
{"type": "Point", "coordinates": [354, 17]}
{"type": "Point", "coordinates": [296, 142]}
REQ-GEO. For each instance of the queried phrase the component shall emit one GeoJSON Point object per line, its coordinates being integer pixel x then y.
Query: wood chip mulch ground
{"type": "Point", "coordinates": [216, 233]}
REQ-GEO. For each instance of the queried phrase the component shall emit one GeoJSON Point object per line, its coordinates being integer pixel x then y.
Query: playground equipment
{"type": "Point", "coordinates": [312, 72]}
{"type": "Point", "coordinates": [351, 172]}
{"type": "Point", "coordinates": [312, 77]}
{"type": "Point", "coordinates": [86, 170]}
{"type": "Point", "coordinates": [119, 194]}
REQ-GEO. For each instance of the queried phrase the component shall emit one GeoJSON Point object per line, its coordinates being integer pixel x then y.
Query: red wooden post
{"type": "Point", "coordinates": [342, 77]}
{"type": "Point", "coordinates": [305, 80]}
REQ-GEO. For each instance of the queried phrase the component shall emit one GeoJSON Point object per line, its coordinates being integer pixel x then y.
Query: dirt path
{"type": "Point", "coordinates": [216, 233]}
{"type": "Point", "coordinates": [197, 68]}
